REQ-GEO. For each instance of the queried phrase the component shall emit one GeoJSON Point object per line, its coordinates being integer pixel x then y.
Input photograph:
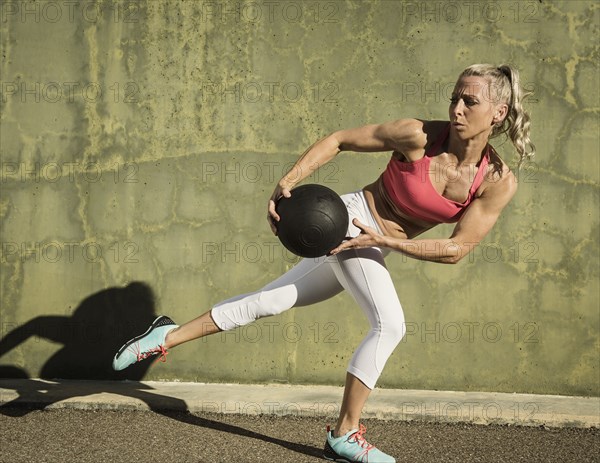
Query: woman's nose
{"type": "Point", "coordinates": [457, 109]}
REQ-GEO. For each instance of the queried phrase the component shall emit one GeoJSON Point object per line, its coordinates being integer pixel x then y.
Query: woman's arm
{"type": "Point", "coordinates": [474, 225]}
{"type": "Point", "coordinates": [403, 135]}
{"type": "Point", "coordinates": [400, 135]}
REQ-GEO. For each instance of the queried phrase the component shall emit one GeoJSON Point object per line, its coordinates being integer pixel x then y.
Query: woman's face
{"type": "Point", "coordinates": [473, 109]}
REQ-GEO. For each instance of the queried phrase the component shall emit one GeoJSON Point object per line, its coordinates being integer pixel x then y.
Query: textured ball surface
{"type": "Point", "coordinates": [314, 220]}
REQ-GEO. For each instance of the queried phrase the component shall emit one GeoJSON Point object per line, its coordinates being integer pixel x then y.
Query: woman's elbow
{"type": "Point", "coordinates": [460, 251]}
{"type": "Point", "coordinates": [451, 260]}
{"type": "Point", "coordinates": [455, 253]}
{"type": "Point", "coordinates": [335, 141]}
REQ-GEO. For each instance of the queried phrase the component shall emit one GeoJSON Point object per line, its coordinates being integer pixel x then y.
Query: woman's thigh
{"type": "Point", "coordinates": [363, 273]}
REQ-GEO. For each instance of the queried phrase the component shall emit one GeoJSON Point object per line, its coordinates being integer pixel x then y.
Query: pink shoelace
{"type": "Point", "coordinates": [359, 438]}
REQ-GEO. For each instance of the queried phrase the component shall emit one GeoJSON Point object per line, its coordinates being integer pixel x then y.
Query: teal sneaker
{"type": "Point", "coordinates": [145, 345]}
{"type": "Point", "coordinates": [353, 448]}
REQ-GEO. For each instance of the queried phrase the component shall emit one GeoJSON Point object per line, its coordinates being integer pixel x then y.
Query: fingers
{"type": "Point", "coordinates": [364, 229]}
{"type": "Point", "coordinates": [356, 242]}
{"type": "Point", "coordinates": [342, 247]}
{"type": "Point", "coordinates": [272, 215]}
{"type": "Point", "coordinates": [368, 237]}
{"type": "Point", "coordinates": [272, 212]}
{"type": "Point", "coordinates": [357, 223]}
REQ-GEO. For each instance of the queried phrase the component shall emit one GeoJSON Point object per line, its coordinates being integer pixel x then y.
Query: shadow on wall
{"type": "Point", "coordinates": [91, 336]}
{"type": "Point", "coordinates": [101, 324]}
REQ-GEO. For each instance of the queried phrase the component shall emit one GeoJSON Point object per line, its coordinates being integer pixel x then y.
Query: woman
{"type": "Point", "coordinates": [440, 172]}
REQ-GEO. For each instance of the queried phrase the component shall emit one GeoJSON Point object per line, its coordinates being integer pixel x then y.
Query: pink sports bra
{"type": "Point", "coordinates": [409, 186]}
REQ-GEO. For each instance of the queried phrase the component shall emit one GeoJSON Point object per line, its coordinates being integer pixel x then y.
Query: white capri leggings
{"type": "Point", "coordinates": [361, 272]}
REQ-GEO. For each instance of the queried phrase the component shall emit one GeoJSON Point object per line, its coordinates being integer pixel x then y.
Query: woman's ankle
{"type": "Point", "coordinates": [343, 429]}
{"type": "Point", "coordinates": [170, 341]}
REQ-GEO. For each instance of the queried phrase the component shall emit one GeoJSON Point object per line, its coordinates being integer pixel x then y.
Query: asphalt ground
{"type": "Point", "coordinates": [82, 436]}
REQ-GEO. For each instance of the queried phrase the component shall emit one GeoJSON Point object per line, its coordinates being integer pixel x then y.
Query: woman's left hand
{"type": "Point", "coordinates": [367, 238]}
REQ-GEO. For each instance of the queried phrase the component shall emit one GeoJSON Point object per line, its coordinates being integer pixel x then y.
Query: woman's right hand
{"type": "Point", "coordinates": [272, 216]}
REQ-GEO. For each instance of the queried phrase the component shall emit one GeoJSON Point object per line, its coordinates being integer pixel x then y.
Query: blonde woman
{"type": "Point", "coordinates": [439, 172]}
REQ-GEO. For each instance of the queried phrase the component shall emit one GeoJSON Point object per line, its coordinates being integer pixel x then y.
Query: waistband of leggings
{"type": "Point", "coordinates": [366, 215]}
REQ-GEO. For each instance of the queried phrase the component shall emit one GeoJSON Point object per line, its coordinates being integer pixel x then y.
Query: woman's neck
{"type": "Point", "coordinates": [469, 151]}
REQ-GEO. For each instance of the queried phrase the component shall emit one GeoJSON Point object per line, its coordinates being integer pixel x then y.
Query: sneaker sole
{"type": "Point", "coordinates": [160, 321]}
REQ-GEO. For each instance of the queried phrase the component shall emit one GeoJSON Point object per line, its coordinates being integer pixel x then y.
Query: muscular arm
{"type": "Point", "coordinates": [403, 135]}
{"type": "Point", "coordinates": [474, 225]}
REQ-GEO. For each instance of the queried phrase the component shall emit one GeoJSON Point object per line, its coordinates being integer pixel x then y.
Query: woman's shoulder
{"type": "Point", "coordinates": [499, 175]}
{"type": "Point", "coordinates": [434, 127]}
{"type": "Point", "coordinates": [414, 136]}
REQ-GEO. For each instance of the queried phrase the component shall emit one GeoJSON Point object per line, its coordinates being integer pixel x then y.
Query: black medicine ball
{"type": "Point", "coordinates": [314, 220]}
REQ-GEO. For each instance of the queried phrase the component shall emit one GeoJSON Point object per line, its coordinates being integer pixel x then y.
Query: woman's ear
{"type": "Point", "coordinates": [500, 113]}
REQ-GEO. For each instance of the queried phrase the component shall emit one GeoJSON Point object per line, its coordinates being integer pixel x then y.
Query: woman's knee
{"type": "Point", "coordinates": [275, 301]}
{"type": "Point", "coordinates": [395, 332]}
{"type": "Point", "coordinates": [247, 308]}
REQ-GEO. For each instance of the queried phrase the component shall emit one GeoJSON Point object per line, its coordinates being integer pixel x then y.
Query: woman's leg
{"type": "Point", "coordinates": [363, 274]}
{"type": "Point", "coordinates": [194, 329]}
{"type": "Point", "coordinates": [355, 397]}
{"type": "Point", "coordinates": [310, 281]}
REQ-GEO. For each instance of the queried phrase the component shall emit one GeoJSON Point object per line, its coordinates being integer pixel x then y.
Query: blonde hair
{"type": "Point", "coordinates": [505, 86]}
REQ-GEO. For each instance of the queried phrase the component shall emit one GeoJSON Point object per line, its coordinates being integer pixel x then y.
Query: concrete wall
{"type": "Point", "coordinates": [140, 142]}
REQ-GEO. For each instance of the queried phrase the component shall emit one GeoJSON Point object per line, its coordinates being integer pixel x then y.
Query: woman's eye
{"type": "Point", "coordinates": [468, 102]}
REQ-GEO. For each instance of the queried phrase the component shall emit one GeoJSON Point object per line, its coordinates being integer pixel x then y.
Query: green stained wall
{"type": "Point", "coordinates": [140, 142]}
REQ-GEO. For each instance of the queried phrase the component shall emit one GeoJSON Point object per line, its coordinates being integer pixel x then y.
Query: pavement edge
{"type": "Point", "coordinates": [300, 400]}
